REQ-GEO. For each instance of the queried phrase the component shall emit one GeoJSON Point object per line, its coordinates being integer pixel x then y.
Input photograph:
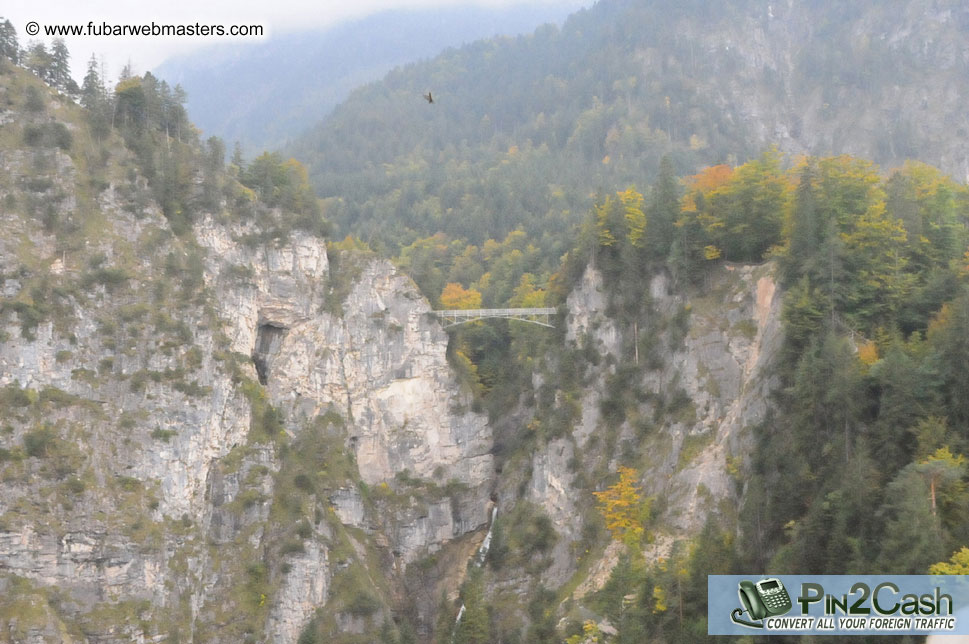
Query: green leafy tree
{"type": "Point", "coordinates": [875, 255]}
{"type": "Point", "coordinates": [444, 626]}
{"type": "Point", "coordinates": [804, 308]}
{"type": "Point", "coordinates": [751, 207]}
{"type": "Point", "coordinates": [906, 391]}
{"type": "Point", "coordinates": [948, 335]}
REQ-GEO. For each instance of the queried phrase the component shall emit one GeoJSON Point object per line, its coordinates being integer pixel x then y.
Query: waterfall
{"type": "Point", "coordinates": [480, 558]}
{"type": "Point", "coordinates": [486, 544]}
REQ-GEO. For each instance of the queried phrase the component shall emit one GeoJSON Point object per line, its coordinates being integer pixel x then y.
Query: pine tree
{"type": "Point", "coordinates": [94, 98]}
{"type": "Point", "coordinates": [911, 538]}
{"type": "Point", "coordinates": [473, 628]}
{"type": "Point", "coordinates": [444, 626]}
{"type": "Point", "coordinates": [805, 233]}
{"type": "Point", "coordinates": [92, 88]}
{"type": "Point", "coordinates": [38, 60]}
{"type": "Point", "coordinates": [663, 211]}
{"type": "Point", "coordinates": [9, 47]}
{"type": "Point", "coordinates": [60, 68]}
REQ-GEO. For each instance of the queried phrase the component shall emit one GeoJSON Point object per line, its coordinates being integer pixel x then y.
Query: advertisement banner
{"type": "Point", "coordinates": [837, 604]}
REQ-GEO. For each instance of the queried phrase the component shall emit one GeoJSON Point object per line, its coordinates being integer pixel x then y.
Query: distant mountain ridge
{"type": "Point", "coordinates": [525, 130]}
{"type": "Point", "coordinates": [263, 94]}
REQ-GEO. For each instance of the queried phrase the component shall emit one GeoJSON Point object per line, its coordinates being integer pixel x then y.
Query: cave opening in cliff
{"type": "Point", "coordinates": [269, 337]}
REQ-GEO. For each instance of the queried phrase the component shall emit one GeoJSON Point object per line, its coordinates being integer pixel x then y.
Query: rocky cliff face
{"type": "Point", "coordinates": [698, 389]}
{"type": "Point", "coordinates": [381, 366]}
{"type": "Point", "coordinates": [157, 392]}
{"type": "Point", "coordinates": [874, 81]}
{"type": "Point", "coordinates": [230, 436]}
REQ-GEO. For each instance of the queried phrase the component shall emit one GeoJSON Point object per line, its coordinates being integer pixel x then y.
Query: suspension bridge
{"type": "Point", "coordinates": [453, 317]}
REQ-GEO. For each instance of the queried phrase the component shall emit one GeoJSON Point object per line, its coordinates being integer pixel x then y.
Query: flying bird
{"type": "Point", "coordinates": [429, 98]}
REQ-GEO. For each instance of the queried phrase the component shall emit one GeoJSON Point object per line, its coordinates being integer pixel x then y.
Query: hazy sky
{"type": "Point", "coordinates": [146, 53]}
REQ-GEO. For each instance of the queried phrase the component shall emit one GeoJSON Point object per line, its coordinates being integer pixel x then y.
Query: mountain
{"type": "Point", "coordinates": [218, 424]}
{"type": "Point", "coordinates": [219, 427]}
{"type": "Point", "coordinates": [263, 94]}
{"type": "Point", "coordinates": [194, 396]}
{"type": "Point", "coordinates": [525, 130]}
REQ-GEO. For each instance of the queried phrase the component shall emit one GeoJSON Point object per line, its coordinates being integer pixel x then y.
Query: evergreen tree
{"type": "Point", "coordinates": [60, 68]}
{"type": "Point", "coordinates": [804, 229]}
{"type": "Point", "coordinates": [906, 390]}
{"type": "Point", "coordinates": [94, 98]}
{"type": "Point", "coordinates": [949, 337]}
{"type": "Point", "coordinates": [473, 628]}
{"type": "Point", "coordinates": [912, 538]}
{"type": "Point", "coordinates": [213, 165]}
{"type": "Point", "coordinates": [944, 471]}
{"type": "Point", "coordinates": [38, 60]}
{"type": "Point", "coordinates": [444, 626]}
{"type": "Point", "coordinates": [9, 46]}
{"type": "Point", "coordinates": [92, 88]}
{"type": "Point", "coordinates": [663, 210]}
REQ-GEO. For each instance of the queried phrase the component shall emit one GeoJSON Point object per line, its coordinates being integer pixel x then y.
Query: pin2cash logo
{"type": "Point", "coordinates": [765, 598]}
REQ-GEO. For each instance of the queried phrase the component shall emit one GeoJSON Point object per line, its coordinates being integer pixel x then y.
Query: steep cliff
{"type": "Point", "coordinates": [235, 433]}
{"type": "Point", "coordinates": [197, 431]}
{"type": "Point", "coordinates": [674, 394]}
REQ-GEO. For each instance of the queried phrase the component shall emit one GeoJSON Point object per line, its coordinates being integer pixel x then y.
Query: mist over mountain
{"type": "Point", "coordinates": [263, 94]}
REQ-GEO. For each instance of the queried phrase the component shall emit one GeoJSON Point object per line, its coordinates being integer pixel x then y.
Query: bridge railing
{"type": "Point", "coordinates": [460, 316]}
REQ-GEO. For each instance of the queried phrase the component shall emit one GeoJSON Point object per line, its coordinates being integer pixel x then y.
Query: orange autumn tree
{"type": "Point", "coordinates": [624, 508]}
{"type": "Point", "coordinates": [704, 183]}
{"type": "Point", "coordinates": [455, 296]}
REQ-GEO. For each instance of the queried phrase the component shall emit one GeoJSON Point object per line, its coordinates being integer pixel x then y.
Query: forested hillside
{"type": "Point", "coordinates": [260, 95]}
{"type": "Point", "coordinates": [861, 468]}
{"type": "Point", "coordinates": [480, 193]}
{"type": "Point", "coordinates": [524, 131]}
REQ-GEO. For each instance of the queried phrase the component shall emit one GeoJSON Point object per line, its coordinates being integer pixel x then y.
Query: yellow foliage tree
{"type": "Point", "coordinates": [526, 295]}
{"type": "Point", "coordinates": [635, 214]}
{"type": "Point", "coordinates": [958, 564]}
{"type": "Point", "coordinates": [591, 634]}
{"type": "Point", "coordinates": [624, 509]}
{"type": "Point", "coordinates": [868, 353]}
{"type": "Point", "coordinates": [942, 468]}
{"type": "Point", "coordinates": [455, 296]}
